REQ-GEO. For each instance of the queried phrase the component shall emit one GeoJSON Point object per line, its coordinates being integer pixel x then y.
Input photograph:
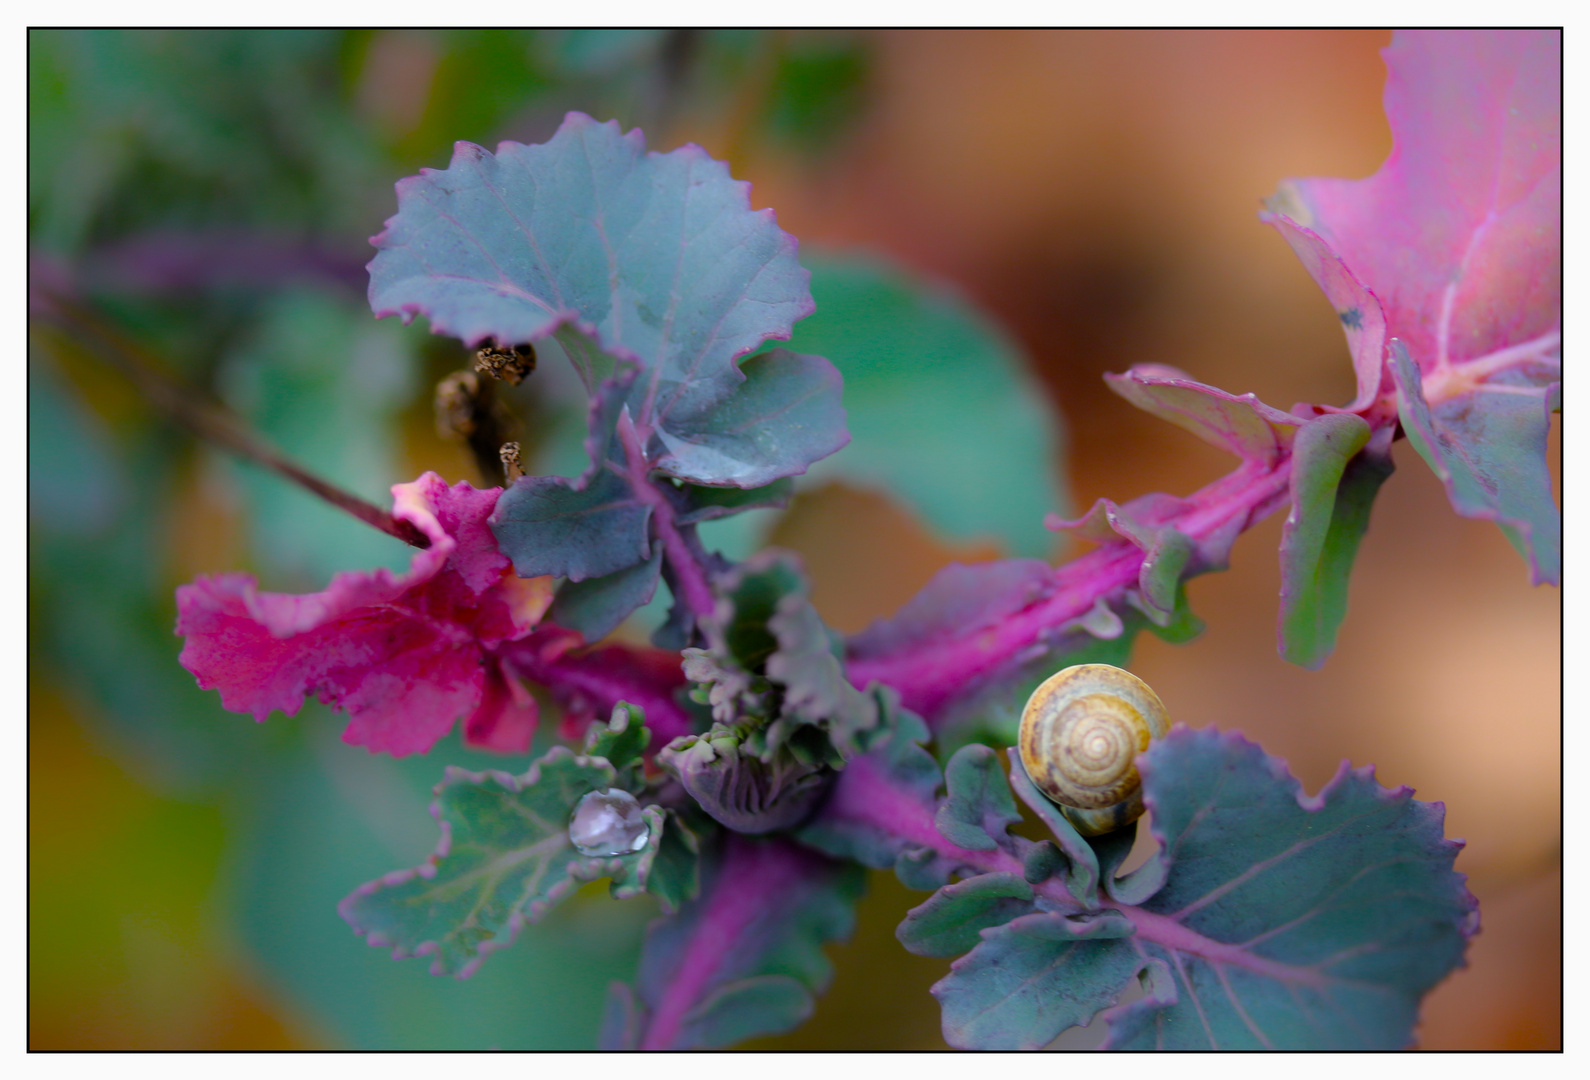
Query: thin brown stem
{"type": "Point", "coordinates": [208, 420]}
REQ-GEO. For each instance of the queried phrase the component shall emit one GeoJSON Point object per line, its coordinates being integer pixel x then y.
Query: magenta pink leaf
{"type": "Point", "coordinates": [1454, 247]}
{"type": "Point", "coordinates": [405, 655]}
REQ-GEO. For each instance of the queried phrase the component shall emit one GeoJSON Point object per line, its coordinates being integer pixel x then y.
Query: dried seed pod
{"type": "Point", "coordinates": [1081, 732]}
{"type": "Point", "coordinates": [509, 365]}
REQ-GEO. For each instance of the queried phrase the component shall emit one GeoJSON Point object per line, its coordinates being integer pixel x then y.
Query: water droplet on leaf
{"type": "Point", "coordinates": [608, 823]}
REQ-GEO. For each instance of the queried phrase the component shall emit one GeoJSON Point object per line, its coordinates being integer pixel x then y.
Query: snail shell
{"type": "Point", "coordinates": [1081, 733]}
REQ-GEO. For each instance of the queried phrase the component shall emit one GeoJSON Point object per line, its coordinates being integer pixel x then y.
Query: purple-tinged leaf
{"type": "Point", "coordinates": [595, 606]}
{"type": "Point", "coordinates": [950, 622]}
{"type": "Point", "coordinates": [958, 596]}
{"type": "Point", "coordinates": [1240, 423]}
{"type": "Point", "coordinates": [739, 789]}
{"type": "Point", "coordinates": [505, 858]}
{"type": "Point", "coordinates": [1458, 237]}
{"type": "Point", "coordinates": [1285, 921]}
{"type": "Point", "coordinates": [1490, 452]}
{"type": "Point", "coordinates": [1033, 977]}
{"type": "Point", "coordinates": [1266, 919]}
{"type": "Point", "coordinates": [406, 655]}
{"type": "Point", "coordinates": [743, 959]}
{"type": "Point", "coordinates": [785, 416]}
{"type": "Point", "coordinates": [1336, 471]}
{"type": "Point", "coordinates": [586, 529]}
{"type": "Point", "coordinates": [710, 503]}
{"type": "Point", "coordinates": [948, 922]}
{"type": "Point", "coordinates": [1360, 313]}
{"type": "Point", "coordinates": [977, 809]}
{"type": "Point", "coordinates": [658, 256]}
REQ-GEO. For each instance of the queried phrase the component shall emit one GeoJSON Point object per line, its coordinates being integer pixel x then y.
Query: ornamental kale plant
{"type": "Point", "coordinates": [745, 768]}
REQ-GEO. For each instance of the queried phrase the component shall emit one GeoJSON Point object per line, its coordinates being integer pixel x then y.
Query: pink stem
{"type": "Point", "coordinates": [753, 876]}
{"type": "Point", "coordinates": [934, 674]}
{"type": "Point", "coordinates": [688, 572]}
{"type": "Point", "coordinates": [589, 682]}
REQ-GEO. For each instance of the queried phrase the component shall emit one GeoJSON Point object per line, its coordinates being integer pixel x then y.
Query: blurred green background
{"type": "Point", "coordinates": [992, 219]}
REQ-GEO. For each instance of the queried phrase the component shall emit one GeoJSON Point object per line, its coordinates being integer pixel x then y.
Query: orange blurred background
{"type": "Point", "coordinates": [1097, 192]}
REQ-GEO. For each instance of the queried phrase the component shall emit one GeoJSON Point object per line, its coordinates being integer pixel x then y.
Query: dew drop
{"type": "Point", "coordinates": [607, 823]}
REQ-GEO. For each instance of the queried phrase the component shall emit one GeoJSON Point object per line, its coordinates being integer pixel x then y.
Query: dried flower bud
{"type": "Point", "coordinates": [512, 466]}
{"type": "Point", "coordinates": [509, 365]}
{"type": "Point", "coordinates": [457, 412]}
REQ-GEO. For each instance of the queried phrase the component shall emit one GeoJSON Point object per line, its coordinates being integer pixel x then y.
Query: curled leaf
{"type": "Point", "coordinates": [1240, 423]}
{"type": "Point", "coordinates": [1336, 473]}
{"type": "Point", "coordinates": [741, 790]}
{"type": "Point", "coordinates": [977, 809]}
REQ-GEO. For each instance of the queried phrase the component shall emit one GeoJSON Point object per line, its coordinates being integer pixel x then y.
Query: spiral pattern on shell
{"type": "Point", "coordinates": [1081, 732]}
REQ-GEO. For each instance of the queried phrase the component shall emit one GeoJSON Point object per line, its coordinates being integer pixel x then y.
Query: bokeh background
{"type": "Point", "coordinates": [1048, 206]}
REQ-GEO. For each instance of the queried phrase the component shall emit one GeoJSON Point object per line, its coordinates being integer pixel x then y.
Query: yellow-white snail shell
{"type": "Point", "coordinates": [1081, 732]}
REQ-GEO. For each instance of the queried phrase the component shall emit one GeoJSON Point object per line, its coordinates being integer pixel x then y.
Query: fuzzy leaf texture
{"type": "Point", "coordinates": [506, 858]}
{"type": "Point", "coordinates": [1268, 919]}
{"type": "Point", "coordinates": [743, 959]}
{"type": "Point", "coordinates": [1454, 249]}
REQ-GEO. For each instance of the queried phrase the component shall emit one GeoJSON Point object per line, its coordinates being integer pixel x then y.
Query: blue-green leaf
{"type": "Point", "coordinates": [711, 503]}
{"type": "Point", "coordinates": [977, 808]}
{"type": "Point", "coordinates": [1033, 977]}
{"type": "Point", "coordinates": [656, 259]}
{"type": "Point", "coordinates": [308, 819]}
{"type": "Point", "coordinates": [622, 741]}
{"type": "Point", "coordinates": [1286, 921]}
{"type": "Point", "coordinates": [941, 408]}
{"type": "Point", "coordinates": [1265, 920]}
{"type": "Point", "coordinates": [595, 606]}
{"type": "Point", "coordinates": [1489, 449]}
{"type": "Point", "coordinates": [785, 416]}
{"type": "Point", "coordinates": [1080, 866]}
{"type": "Point", "coordinates": [587, 529]}
{"type": "Point", "coordinates": [948, 922]}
